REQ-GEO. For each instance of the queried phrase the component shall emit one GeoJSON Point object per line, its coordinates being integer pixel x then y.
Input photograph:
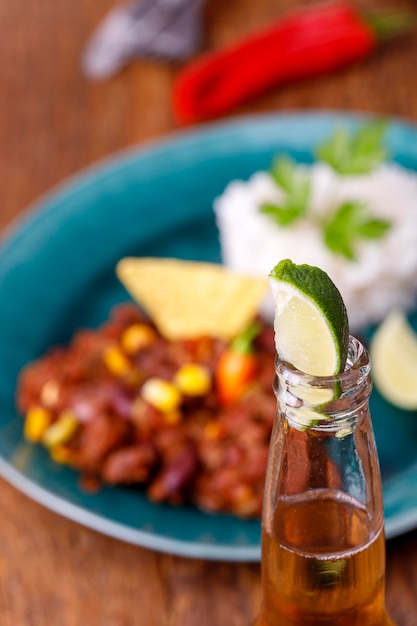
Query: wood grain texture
{"type": "Point", "coordinates": [54, 122]}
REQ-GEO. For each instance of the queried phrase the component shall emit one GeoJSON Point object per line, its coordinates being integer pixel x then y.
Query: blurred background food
{"type": "Point", "coordinates": [352, 212]}
{"type": "Point", "coordinates": [53, 109]}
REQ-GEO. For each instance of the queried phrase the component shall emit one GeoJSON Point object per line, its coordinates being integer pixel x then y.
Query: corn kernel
{"type": "Point", "coordinates": [136, 337]}
{"type": "Point", "coordinates": [193, 379]}
{"type": "Point", "coordinates": [60, 431]}
{"type": "Point", "coordinates": [116, 361]}
{"type": "Point", "coordinates": [36, 422]}
{"type": "Point", "coordinates": [161, 394]}
{"type": "Point", "coordinates": [50, 393]}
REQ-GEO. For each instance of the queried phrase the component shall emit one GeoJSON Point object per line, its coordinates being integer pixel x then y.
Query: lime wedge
{"type": "Point", "coordinates": [311, 323]}
{"type": "Point", "coordinates": [393, 352]}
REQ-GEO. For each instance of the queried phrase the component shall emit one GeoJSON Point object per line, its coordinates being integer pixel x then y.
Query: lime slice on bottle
{"type": "Point", "coordinates": [393, 350]}
{"type": "Point", "coordinates": [311, 323]}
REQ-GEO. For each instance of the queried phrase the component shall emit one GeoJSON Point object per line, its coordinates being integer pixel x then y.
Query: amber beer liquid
{"type": "Point", "coordinates": [329, 573]}
{"type": "Point", "coordinates": [323, 544]}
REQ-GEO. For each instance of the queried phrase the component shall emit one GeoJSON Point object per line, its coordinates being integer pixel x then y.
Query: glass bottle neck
{"type": "Point", "coordinates": [323, 439]}
{"type": "Point", "coordinates": [325, 404]}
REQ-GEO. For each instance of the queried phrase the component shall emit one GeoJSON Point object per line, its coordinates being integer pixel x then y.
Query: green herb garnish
{"type": "Point", "coordinates": [349, 224]}
{"type": "Point", "coordinates": [347, 153]}
{"type": "Point", "coordinates": [295, 183]}
{"type": "Point", "coordinates": [357, 153]}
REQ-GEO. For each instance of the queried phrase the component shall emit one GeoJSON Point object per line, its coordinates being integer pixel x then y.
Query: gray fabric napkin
{"type": "Point", "coordinates": [169, 29]}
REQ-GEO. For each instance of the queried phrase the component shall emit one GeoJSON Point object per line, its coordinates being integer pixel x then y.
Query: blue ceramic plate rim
{"type": "Point", "coordinates": [400, 491]}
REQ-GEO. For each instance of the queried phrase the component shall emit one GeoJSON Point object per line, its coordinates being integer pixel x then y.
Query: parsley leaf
{"type": "Point", "coordinates": [357, 153]}
{"type": "Point", "coordinates": [349, 224]}
{"type": "Point", "coordinates": [296, 185]}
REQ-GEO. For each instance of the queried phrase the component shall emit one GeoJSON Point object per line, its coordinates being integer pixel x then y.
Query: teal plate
{"type": "Point", "coordinates": [57, 275]}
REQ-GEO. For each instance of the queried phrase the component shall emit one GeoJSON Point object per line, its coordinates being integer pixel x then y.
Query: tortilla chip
{"type": "Point", "coordinates": [186, 299]}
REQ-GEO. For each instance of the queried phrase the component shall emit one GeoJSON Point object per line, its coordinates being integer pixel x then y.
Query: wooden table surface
{"type": "Point", "coordinates": [54, 122]}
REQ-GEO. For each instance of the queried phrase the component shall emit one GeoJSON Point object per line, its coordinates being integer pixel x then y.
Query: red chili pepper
{"type": "Point", "coordinates": [237, 366]}
{"type": "Point", "coordinates": [303, 44]}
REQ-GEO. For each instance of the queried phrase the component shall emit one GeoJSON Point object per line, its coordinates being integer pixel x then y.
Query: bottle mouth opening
{"type": "Point", "coordinates": [325, 402]}
{"type": "Point", "coordinates": [357, 368]}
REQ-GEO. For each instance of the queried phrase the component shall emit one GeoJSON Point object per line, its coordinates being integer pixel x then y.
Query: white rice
{"type": "Point", "coordinates": [383, 276]}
